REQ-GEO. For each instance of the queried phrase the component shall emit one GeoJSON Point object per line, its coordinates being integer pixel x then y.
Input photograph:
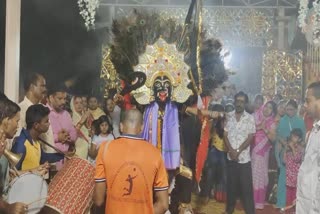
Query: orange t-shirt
{"type": "Point", "coordinates": [132, 169]}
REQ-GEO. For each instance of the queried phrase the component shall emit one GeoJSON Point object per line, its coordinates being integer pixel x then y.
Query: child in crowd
{"type": "Point", "coordinates": [292, 159]}
{"type": "Point", "coordinates": [103, 133]}
{"type": "Point", "coordinates": [93, 129]}
{"type": "Point", "coordinates": [215, 175]}
{"type": "Point", "coordinates": [93, 107]}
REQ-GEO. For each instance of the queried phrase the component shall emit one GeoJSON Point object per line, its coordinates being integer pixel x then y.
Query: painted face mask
{"type": "Point", "coordinates": [162, 89]}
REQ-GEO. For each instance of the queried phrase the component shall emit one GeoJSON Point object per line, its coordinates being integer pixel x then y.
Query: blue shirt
{"type": "Point", "coordinates": [32, 153]}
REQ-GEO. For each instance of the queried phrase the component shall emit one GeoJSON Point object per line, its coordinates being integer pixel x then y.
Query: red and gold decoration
{"type": "Point", "coordinates": [109, 74]}
{"type": "Point", "coordinates": [71, 190]}
{"type": "Point", "coordinates": [163, 59]}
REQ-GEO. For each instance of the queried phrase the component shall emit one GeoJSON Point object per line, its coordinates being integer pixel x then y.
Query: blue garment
{"type": "Point", "coordinates": [214, 171]}
{"type": "Point", "coordinates": [20, 148]}
{"type": "Point", "coordinates": [170, 138]}
{"type": "Point", "coordinates": [286, 125]}
{"type": "Point", "coordinates": [281, 193]}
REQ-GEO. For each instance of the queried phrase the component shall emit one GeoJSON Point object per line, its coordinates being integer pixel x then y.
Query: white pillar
{"type": "Point", "coordinates": [12, 49]}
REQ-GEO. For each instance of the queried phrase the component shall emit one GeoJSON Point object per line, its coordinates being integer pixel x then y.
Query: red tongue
{"type": "Point", "coordinates": [162, 95]}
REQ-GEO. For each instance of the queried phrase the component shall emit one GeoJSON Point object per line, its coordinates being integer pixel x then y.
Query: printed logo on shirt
{"type": "Point", "coordinates": [129, 184]}
{"type": "Point", "coordinates": [130, 178]}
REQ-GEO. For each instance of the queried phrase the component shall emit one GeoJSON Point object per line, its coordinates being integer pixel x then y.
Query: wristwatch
{"type": "Point", "coordinates": [238, 150]}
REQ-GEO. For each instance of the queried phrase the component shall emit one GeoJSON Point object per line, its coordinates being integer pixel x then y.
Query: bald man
{"type": "Point", "coordinates": [131, 171]}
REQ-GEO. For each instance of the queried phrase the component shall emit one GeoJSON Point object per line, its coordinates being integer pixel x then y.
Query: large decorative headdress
{"type": "Point", "coordinates": [163, 59]}
{"type": "Point", "coordinates": [147, 42]}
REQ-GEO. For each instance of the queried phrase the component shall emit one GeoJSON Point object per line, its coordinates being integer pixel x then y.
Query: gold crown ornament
{"type": "Point", "coordinates": [109, 74]}
{"type": "Point", "coordinates": [163, 59]}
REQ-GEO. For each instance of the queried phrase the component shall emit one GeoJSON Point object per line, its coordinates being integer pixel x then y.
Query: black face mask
{"type": "Point", "coordinates": [162, 89]}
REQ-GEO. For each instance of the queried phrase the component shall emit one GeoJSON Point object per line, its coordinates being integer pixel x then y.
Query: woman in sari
{"type": "Point", "coordinates": [273, 166]}
{"type": "Point", "coordinates": [266, 129]}
{"type": "Point", "coordinates": [258, 106]}
{"type": "Point", "coordinates": [79, 118]}
{"type": "Point", "coordinates": [287, 123]}
{"type": "Point", "coordinates": [281, 110]}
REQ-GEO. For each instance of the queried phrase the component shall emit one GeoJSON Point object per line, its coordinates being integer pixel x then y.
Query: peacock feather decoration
{"type": "Point", "coordinates": [139, 31]}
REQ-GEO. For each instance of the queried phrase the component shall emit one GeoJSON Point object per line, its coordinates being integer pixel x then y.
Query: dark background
{"type": "Point", "coordinates": [55, 42]}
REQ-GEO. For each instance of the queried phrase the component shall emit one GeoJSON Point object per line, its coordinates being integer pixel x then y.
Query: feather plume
{"type": "Point", "coordinates": [132, 33]}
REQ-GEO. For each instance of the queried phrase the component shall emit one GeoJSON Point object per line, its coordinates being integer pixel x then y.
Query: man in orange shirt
{"type": "Point", "coordinates": [131, 171]}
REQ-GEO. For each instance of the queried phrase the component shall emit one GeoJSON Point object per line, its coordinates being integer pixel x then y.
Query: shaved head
{"type": "Point", "coordinates": [131, 122]}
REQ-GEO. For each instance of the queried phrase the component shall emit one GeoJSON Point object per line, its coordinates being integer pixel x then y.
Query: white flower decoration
{"type": "Point", "coordinates": [88, 11]}
{"type": "Point", "coordinates": [315, 25]}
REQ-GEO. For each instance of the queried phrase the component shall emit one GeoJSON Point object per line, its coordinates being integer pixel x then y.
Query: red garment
{"type": "Point", "coordinates": [126, 103]}
{"type": "Point", "coordinates": [293, 163]}
{"type": "Point", "coordinates": [308, 121]}
{"type": "Point", "coordinates": [202, 151]}
{"type": "Point", "coordinates": [291, 195]}
{"type": "Point", "coordinates": [220, 193]}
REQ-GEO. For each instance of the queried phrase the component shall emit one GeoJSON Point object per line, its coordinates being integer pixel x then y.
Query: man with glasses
{"type": "Point", "coordinates": [238, 135]}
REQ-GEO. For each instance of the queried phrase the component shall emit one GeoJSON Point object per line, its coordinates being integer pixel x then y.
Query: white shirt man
{"type": "Point", "coordinates": [35, 87]}
{"type": "Point", "coordinates": [238, 132]}
{"type": "Point", "coordinates": [238, 135]}
{"type": "Point", "coordinates": [24, 105]}
{"type": "Point", "coordinates": [308, 187]}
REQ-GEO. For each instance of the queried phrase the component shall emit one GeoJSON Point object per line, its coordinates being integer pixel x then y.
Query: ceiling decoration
{"type": "Point", "coordinates": [235, 27]}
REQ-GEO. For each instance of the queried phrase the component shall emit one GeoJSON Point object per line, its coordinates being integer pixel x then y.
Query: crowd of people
{"type": "Point", "coordinates": [265, 151]}
{"type": "Point", "coordinates": [265, 144]}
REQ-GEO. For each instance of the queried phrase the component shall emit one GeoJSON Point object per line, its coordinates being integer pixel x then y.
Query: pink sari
{"type": "Point", "coordinates": [260, 159]}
